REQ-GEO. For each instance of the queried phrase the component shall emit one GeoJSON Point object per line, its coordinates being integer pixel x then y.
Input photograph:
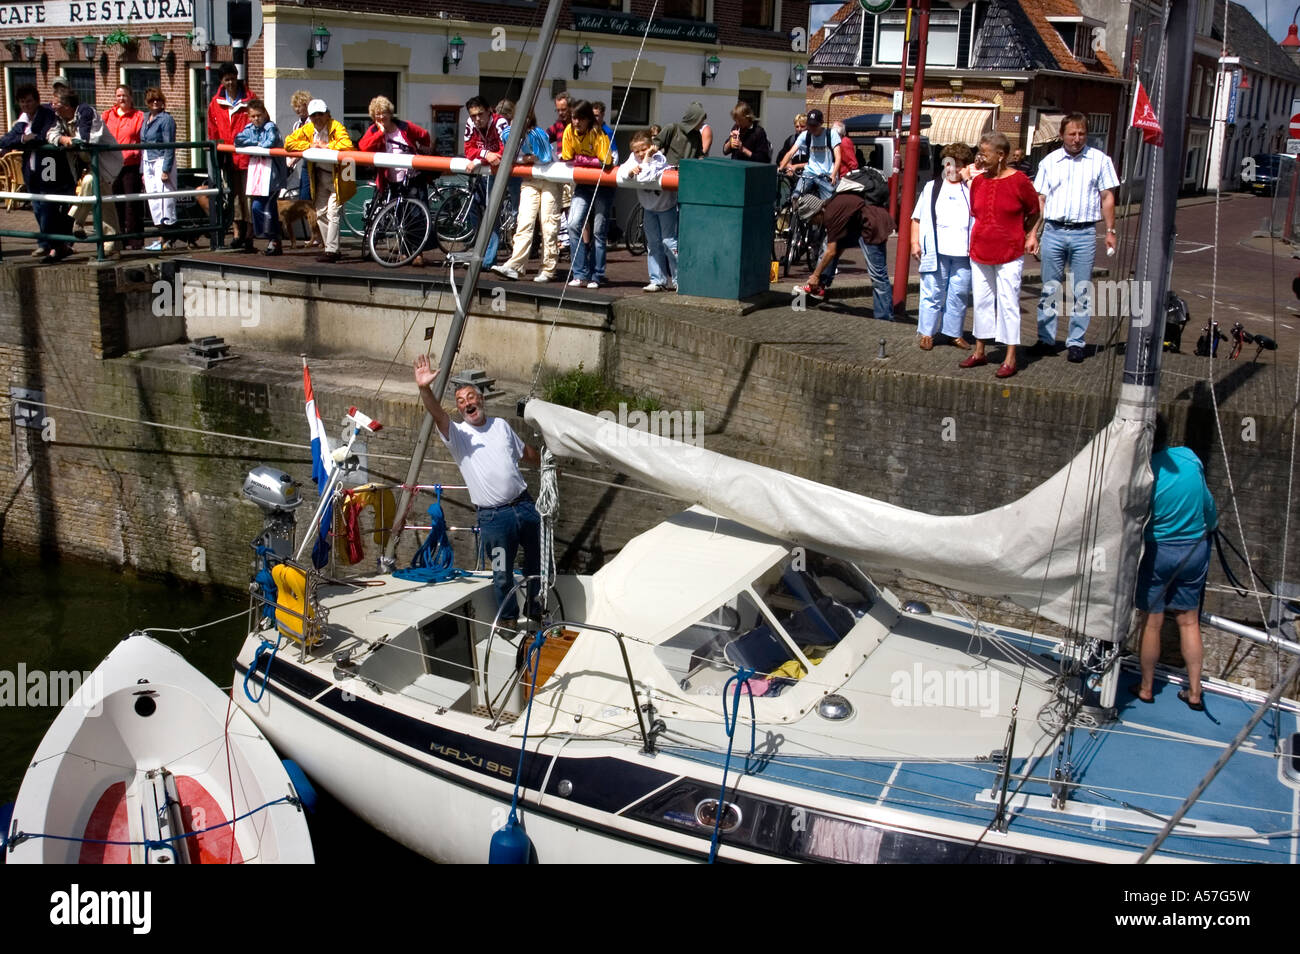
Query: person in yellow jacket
{"type": "Point", "coordinates": [331, 185]}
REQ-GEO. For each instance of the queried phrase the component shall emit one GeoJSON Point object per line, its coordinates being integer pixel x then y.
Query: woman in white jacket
{"type": "Point", "coordinates": [941, 244]}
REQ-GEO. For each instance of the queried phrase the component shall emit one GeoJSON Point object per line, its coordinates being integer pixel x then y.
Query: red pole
{"type": "Point", "coordinates": [903, 255]}
{"type": "Point", "coordinates": [894, 167]}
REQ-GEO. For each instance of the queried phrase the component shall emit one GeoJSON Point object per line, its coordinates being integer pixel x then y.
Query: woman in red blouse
{"type": "Point", "coordinates": [1005, 207]}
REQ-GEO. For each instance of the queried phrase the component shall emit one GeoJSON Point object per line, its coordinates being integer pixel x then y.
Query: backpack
{"type": "Point", "coordinates": [869, 182]}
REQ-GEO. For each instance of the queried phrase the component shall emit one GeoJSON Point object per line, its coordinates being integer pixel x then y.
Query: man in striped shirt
{"type": "Point", "coordinates": [1074, 186]}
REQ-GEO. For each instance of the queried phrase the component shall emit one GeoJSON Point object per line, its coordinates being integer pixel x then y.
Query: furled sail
{"type": "Point", "coordinates": [1057, 551]}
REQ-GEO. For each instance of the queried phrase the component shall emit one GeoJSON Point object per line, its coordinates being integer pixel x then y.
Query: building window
{"type": "Point", "coordinates": [1205, 17]}
{"type": "Point", "coordinates": [1098, 130]}
{"type": "Point", "coordinates": [138, 79]}
{"type": "Point", "coordinates": [635, 111]}
{"type": "Point", "coordinates": [359, 88]}
{"type": "Point", "coordinates": [83, 82]}
{"type": "Point", "coordinates": [758, 14]}
{"type": "Point", "coordinates": [686, 9]}
{"type": "Point", "coordinates": [755, 99]}
{"type": "Point", "coordinates": [17, 76]}
{"type": "Point", "coordinates": [942, 41]}
{"type": "Point", "coordinates": [496, 88]}
{"type": "Point", "coordinates": [1195, 104]}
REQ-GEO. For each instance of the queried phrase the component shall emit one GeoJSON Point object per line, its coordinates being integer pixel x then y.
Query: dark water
{"type": "Point", "coordinates": [69, 615]}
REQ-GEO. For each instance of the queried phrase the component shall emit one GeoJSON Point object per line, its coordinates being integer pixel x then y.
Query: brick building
{"type": "Point", "coordinates": [1014, 66]}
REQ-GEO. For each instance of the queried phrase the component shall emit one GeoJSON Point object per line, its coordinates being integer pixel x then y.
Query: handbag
{"type": "Point", "coordinates": [259, 176]}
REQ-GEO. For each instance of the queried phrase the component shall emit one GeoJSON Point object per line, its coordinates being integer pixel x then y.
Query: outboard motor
{"type": "Point", "coordinates": [276, 493]}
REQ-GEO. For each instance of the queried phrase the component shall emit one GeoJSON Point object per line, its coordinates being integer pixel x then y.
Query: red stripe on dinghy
{"type": "Point", "coordinates": [200, 810]}
{"type": "Point", "coordinates": [107, 823]}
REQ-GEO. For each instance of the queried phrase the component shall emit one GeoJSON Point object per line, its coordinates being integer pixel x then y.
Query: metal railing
{"type": "Point", "coordinates": [215, 227]}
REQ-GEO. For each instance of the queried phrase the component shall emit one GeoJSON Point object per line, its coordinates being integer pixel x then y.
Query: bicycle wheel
{"type": "Point", "coordinates": [781, 239]}
{"type": "Point", "coordinates": [634, 231]}
{"type": "Point", "coordinates": [457, 222]}
{"type": "Point", "coordinates": [353, 220]}
{"type": "Point", "coordinates": [399, 232]}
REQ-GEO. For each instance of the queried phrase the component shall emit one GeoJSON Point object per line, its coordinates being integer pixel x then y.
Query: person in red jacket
{"type": "Point", "coordinates": [848, 157]}
{"type": "Point", "coordinates": [227, 115]}
{"type": "Point", "coordinates": [387, 133]}
{"type": "Point", "coordinates": [124, 122]}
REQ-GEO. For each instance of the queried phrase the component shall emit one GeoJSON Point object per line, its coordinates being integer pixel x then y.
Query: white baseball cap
{"type": "Point", "coordinates": [317, 106]}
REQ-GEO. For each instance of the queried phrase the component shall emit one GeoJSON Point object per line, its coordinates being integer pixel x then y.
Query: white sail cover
{"type": "Point", "coordinates": [1066, 550]}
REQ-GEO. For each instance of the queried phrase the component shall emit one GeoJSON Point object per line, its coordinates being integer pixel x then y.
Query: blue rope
{"type": "Point", "coordinates": [741, 679]}
{"type": "Point", "coordinates": [257, 662]}
{"type": "Point", "coordinates": [154, 843]}
{"type": "Point", "coordinates": [532, 662]}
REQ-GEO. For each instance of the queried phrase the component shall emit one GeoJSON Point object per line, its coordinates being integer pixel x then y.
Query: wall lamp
{"type": "Point", "coordinates": [710, 70]}
{"type": "Point", "coordinates": [157, 42]}
{"type": "Point", "coordinates": [795, 77]}
{"type": "Point", "coordinates": [29, 48]}
{"type": "Point", "coordinates": [583, 62]}
{"type": "Point", "coordinates": [455, 50]}
{"type": "Point", "coordinates": [89, 44]}
{"type": "Point", "coordinates": [320, 44]}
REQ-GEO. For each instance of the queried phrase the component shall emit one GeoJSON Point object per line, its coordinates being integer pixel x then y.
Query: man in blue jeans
{"type": "Point", "coordinates": [848, 218]}
{"type": "Point", "coordinates": [488, 452]}
{"type": "Point", "coordinates": [1075, 189]}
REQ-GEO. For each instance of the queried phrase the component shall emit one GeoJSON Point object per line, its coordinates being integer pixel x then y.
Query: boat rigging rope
{"type": "Point", "coordinates": [155, 844]}
{"type": "Point", "coordinates": [257, 661]}
{"type": "Point", "coordinates": [532, 664]}
{"type": "Point", "coordinates": [741, 679]}
{"type": "Point", "coordinates": [548, 505]}
{"type": "Point", "coordinates": [591, 206]}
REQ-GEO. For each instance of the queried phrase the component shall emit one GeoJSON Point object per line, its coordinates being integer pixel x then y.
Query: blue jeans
{"type": "Point", "coordinates": [266, 217]}
{"type": "Point", "coordinates": [1077, 250]}
{"type": "Point", "coordinates": [882, 290]}
{"type": "Point", "coordinates": [822, 183]}
{"type": "Point", "coordinates": [587, 266]}
{"type": "Point", "coordinates": [501, 531]}
{"type": "Point", "coordinates": [51, 219]}
{"type": "Point", "coordinates": [661, 246]}
{"type": "Point", "coordinates": [490, 253]}
{"type": "Point", "coordinates": [945, 293]}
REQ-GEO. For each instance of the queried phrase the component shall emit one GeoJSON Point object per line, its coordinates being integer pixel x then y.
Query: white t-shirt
{"type": "Point", "coordinates": [952, 220]}
{"type": "Point", "coordinates": [488, 458]}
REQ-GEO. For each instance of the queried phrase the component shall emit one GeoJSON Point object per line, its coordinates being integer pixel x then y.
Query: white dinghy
{"type": "Point", "coordinates": [149, 764]}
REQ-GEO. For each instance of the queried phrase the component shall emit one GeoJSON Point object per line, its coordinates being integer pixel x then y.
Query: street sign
{"type": "Point", "coordinates": [211, 24]}
{"type": "Point", "coordinates": [898, 100]}
{"type": "Point", "coordinates": [1293, 147]}
{"type": "Point", "coordinates": [1295, 126]}
{"type": "Point", "coordinates": [876, 6]}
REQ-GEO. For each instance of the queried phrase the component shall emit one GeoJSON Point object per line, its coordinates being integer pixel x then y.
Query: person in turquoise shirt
{"type": "Point", "coordinates": [1175, 561]}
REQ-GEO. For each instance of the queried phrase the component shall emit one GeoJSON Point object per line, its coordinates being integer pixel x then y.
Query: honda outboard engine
{"type": "Point", "coordinates": [276, 493]}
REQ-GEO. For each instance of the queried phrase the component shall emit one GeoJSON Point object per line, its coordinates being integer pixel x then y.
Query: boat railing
{"type": "Point", "coordinates": [647, 731]}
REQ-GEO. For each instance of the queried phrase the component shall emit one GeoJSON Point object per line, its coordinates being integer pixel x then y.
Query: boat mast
{"type": "Point", "coordinates": [500, 182]}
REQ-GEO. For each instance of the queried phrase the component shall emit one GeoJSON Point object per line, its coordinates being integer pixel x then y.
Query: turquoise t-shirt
{"type": "Point", "coordinates": [1182, 509]}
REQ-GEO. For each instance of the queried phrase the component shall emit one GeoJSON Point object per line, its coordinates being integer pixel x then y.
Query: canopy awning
{"type": "Point", "coordinates": [1048, 128]}
{"type": "Point", "coordinates": [956, 122]}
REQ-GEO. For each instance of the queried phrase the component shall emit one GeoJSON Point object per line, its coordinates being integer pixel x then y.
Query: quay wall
{"type": "Point", "coordinates": [168, 502]}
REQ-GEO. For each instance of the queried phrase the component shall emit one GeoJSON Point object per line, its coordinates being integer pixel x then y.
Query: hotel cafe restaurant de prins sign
{"type": "Point", "coordinates": [94, 13]}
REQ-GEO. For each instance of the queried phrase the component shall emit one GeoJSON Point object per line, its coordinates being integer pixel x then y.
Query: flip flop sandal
{"type": "Point", "coordinates": [1194, 706]}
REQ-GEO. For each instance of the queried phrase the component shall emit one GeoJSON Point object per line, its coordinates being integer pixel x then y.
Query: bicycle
{"type": "Point", "coordinates": [806, 241]}
{"type": "Point", "coordinates": [459, 213]}
{"type": "Point", "coordinates": [398, 224]}
{"type": "Point", "coordinates": [634, 231]}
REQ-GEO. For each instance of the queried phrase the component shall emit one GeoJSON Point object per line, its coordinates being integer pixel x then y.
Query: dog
{"type": "Point", "coordinates": [293, 211]}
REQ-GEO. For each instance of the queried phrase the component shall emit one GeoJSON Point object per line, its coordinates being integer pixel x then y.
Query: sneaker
{"type": "Point", "coordinates": [155, 247]}
{"type": "Point", "coordinates": [593, 284]}
{"type": "Point", "coordinates": [544, 277]}
{"type": "Point", "coordinates": [1076, 355]}
{"type": "Point", "coordinates": [577, 283]}
{"type": "Point", "coordinates": [652, 287]}
{"type": "Point", "coordinates": [506, 272]}
{"type": "Point", "coordinates": [815, 292]}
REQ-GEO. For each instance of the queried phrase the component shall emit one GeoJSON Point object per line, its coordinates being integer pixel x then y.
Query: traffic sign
{"type": "Point", "coordinates": [876, 6]}
{"type": "Point", "coordinates": [1293, 147]}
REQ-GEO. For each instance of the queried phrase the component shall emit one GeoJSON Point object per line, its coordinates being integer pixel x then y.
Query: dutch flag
{"type": "Point", "coordinates": [322, 465]}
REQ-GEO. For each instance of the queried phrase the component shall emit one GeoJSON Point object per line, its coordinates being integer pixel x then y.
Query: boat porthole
{"type": "Point", "coordinates": [145, 706]}
{"type": "Point", "coordinates": [706, 814]}
{"type": "Point", "coordinates": [565, 788]}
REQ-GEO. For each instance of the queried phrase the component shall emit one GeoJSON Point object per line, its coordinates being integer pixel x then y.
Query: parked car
{"type": "Point", "coordinates": [1259, 173]}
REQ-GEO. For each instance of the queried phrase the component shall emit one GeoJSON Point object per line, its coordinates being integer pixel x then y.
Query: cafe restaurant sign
{"type": "Point", "coordinates": [627, 24]}
{"type": "Point", "coordinates": [91, 14]}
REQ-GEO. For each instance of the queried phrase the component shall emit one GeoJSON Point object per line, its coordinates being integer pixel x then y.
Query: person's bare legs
{"type": "Point", "coordinates": [1150, 654]}
{"type": "Point", "coordinates": [1189, 632]}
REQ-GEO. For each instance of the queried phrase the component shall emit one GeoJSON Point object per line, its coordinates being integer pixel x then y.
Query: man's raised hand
{"type": "Point", "coordinates": [424, 374]}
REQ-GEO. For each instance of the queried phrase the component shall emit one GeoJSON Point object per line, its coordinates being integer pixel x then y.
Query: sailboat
{"type": "Point", "coordinates": [733, 685]}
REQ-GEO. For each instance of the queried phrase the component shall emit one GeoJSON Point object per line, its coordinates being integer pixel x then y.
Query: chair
{"type": "Point", "coordinates": [11, 177]}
